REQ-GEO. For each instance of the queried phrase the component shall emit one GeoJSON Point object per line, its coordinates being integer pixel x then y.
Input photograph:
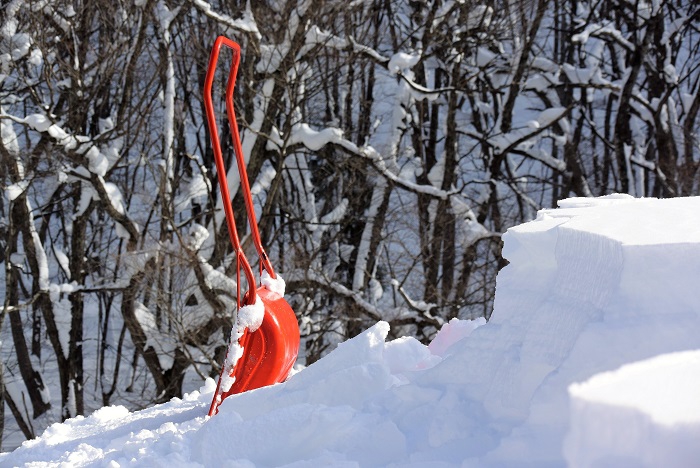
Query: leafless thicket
{"type": "Point", "coordinates": [390, 144]}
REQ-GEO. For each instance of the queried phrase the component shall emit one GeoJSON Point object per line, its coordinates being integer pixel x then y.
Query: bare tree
{"type": "Point", "coordinates": [389, 145]}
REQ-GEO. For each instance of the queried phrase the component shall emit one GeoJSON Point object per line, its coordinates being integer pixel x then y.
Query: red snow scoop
{"type": "Point", "coordinates": [270, 351]}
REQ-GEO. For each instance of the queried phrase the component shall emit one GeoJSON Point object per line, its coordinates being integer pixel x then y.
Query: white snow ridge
{"type": "Point", "coordinates": [591, 358]}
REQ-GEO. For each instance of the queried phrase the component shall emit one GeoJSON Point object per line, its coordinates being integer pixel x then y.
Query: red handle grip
{"type": "Point", "coordinates": [248, 298]}
{"type": "Point", "coordinates": [238, 150]}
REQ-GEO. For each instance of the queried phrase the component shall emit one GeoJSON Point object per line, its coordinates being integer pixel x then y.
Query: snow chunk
{"type": "Point", "coordinates": [9, 137]}
{"type": "Point", "coordinates": [670, 74]}
{"type": "Point", "coordinates": [234, 353]}
{"type": "Point", "coordinates": [251, 316]}
{"type": "Point", "coordinates": [97, 162]}
{"type": "Point", "coordinates": [452, 332]}
{"type": "Point", "coordinates": [38, 122]}
{"type": "Point", "coordinates": [264, 181]}
{"type": "Point", "coordinates": [402, 61]}
{"type": "Point", "coordinates": [197, 235]}
{"type": "Point", "coordinates": [646, 413]}
{"type": "Point", "coordinates": [484, 57]}
{"type": "Point", "coordinates": [550, 115]}
{"type": "Point", "coordinates": [545, 64]}
{"type": "Point", "coordinates": [336, 214]}
{"type": "Point", "coordinates": [62, 260]}
{"type": "Point", "coordinates": [541, 82]}
{"type": "Point", "coordinates": [109, 413]}
{"type": "Point", "coordinates": [407, 354]}
{"type": "Point", "coordinates": [15, 190]}
{"type": "Point", "coordinates": [312, 139]}
{"type": "Point", "coordinates": [578, 75]}
{"type": "Point", "coordinates": [20, 44]}
{"type": "Point", "coordinates": [162, 343]}
{"type": "Point", "coordinates": [197, 188]}
{"type": "Point", "coordinates": [36, 58]}
{"type": "Point", "coordinates": [276, 285]}
{"type": "Point", "coordinates": [58, 295]}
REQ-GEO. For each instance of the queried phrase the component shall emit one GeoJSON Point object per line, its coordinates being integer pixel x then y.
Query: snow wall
{"type": "Point", "coordinates": [591, 288]}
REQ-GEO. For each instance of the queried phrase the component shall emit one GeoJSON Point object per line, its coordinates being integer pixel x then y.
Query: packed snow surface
{"type": "Point", "coordinates": [591, 289]}
{"type": "Point", "coordinates": [644, 414]}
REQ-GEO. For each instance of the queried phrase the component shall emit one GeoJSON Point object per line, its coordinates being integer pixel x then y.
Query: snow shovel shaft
{"type": "Point", "coordinates": [268, 352]}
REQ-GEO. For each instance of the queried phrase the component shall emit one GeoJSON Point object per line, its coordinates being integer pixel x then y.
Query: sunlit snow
{"type": "Point", "coordinates": [590, 359]}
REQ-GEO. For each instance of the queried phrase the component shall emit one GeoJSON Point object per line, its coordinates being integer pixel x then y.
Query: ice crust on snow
{"type": "Point", "coordinates": [591, 288]}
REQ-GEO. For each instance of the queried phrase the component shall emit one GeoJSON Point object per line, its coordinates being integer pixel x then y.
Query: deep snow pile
{"type": "Point", "coordinates": [592, 286]}
{"type": "Point", "coordinates": [644, 414]}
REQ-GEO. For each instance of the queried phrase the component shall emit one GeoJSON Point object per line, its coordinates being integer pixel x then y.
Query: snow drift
{"type": "Point", "coordinates": [591, 287]}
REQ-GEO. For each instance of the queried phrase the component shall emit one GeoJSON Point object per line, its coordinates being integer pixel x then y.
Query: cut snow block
{"type": "Point", "coordinates": [644, 414]}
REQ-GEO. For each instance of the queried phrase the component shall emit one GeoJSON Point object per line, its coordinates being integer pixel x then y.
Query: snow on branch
{"type": "Point", "coordinates": [110, 199]}
{"type": "Point", "coordinates": [503, 143]}
{"type": "Point", "coordinates": [315, 37]}
{"type": "Point", "coordinates": [246, 23]}
{"type": "Point", "coordinates": [61, 16]}
{"type": "Point", "coordinates": [272, 56]}
{"type": "Point", "coordinates": [421, 92]}
{"type": "Point", "coordinates": [396, 64]}
{"type": "Point", "coordinates": [106, 193]}
{"type": "Point", "coordinates": [315, 140]}
{"type": "Point", "coordinates": [355, 296]}
{"type": "Point", "coordinates": [599, 31]}
{"type": "Point", "coordinates": [310, 278]}
{"type": "Point", "coordinates": [420, 306]}
{"type": "Point", "coordinates": [379, 163]}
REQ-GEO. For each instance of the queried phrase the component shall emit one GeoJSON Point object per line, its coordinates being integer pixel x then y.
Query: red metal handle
{"type": "Point", "coordinates": [249, 297]}
{"type": "Point", "coordinates": [240, 161]}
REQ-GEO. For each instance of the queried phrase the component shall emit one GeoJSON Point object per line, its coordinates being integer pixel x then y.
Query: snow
{"type": "Point", "coordinates": [276, 285]}
{"type": "Point", "coordinates": [312, 139]}
{"type": "Point", "coordinates": [452, 332]}
{"type": "Point", "coordinates": [264, 180]}
{"type": "Point", "coordinates": [645, 414]}
{"type": "Point", "coordinates": [670, 74]}
{"type": "Point", "coordinates": [246, 23]}
{"type": "Point", "coordinates": [9, 137]}
{"type": "Point", "coordinates": [197, 235]}
{"type": "Point", "coordinates": [591, 358]}
{"type": "Point", "coordinates": [401, 61]}
{"type": "Point", "coordinates": [40, 253]}
{"type": "Point", "coordinates": [97, 162]}
{"type": "Point", "coordinates": [20, 45]}
{"type": "Point", "coordinates": [336, 214]}
{"type": "Point", "coordinates": [644, 386]}
{"type": "Point", "coordinates": [62, 260]}
{"type": "Point", "coordinates": [16, 190]}
{"type": "Point", "coordinates": [58, 293]}
{"type": "Point", "coordinates": [161, 342]}
{"type": "Point", "coordinates": [196, 189]}
{"type": "Point", "coordinates": [165, 18]}
{"type": "Point", "coordinates": [38, 122]}
{"type": "Point", "coordinates": [251, 316]}
{"type": "Point", "coordinates": [550, 115]}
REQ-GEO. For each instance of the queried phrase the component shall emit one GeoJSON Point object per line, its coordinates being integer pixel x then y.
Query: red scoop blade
{"type": "Point", "coordinates": [268, 353]}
